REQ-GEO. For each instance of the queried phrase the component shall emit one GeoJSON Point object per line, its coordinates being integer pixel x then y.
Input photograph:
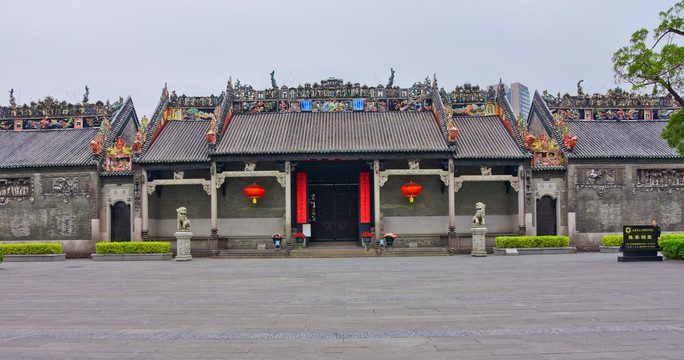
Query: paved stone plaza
{"type": "Point", "coordinates": [583, 306]}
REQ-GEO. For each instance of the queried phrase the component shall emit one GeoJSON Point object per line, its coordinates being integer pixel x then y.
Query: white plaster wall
{"type": "Point", "coordinates": [226, 227]}
{"type": "Point", "coordinates": [440, 224]}
{"type": "Point", "coordinates": [251, 227]}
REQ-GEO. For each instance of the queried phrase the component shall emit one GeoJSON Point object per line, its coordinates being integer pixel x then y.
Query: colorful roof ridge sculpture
{"type": "Point", "coordinates": [119, 157]}
{"type": "Point", "coordinates": [546, 152]}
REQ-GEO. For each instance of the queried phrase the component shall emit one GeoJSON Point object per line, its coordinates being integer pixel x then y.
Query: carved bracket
{"type": "Point", "coordinates": [382, 179]}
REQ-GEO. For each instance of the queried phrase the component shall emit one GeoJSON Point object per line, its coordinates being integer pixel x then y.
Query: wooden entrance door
{"type": "Point", "coordinates": [334, 212]}
{"type": "Point", "coordinates": [546, 216]}
{"type": "Point", "coordinates": [121, 222]}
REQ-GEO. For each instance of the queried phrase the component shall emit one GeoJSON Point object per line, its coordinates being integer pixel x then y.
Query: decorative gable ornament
{"type": "Point", "coordinates": [119, 157]}
{"type": "Point", "coordinates": [546, 152]}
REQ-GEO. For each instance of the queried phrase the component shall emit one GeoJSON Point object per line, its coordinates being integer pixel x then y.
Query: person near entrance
{"type": "Point", "coordinates": [657, 231]}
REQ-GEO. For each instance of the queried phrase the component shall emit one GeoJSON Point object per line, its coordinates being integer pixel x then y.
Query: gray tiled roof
{"type": "Point", "coordinates": [484, 137]}
{"type": "Point", "coordinates": [179, 141]}
{"type": "Point", "coordinates": [624, 139]}
{"type": "Point", "coordinates": [54, 147]}
{"type": "Point", "coordinates": [332, 132]}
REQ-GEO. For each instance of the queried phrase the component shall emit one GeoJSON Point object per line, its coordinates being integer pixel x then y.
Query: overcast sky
{"type": "Point", "coordinates": [121, 48]}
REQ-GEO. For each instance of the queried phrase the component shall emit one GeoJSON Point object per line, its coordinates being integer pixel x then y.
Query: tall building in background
{"type": "Point", "coordinates": [519, 98]}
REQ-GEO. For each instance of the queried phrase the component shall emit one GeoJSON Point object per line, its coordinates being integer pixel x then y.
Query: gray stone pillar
{"type": "Point", "coordinates": [376, 199]}
{"type": "Point", "coordinates": [452, 207]}
{"type": "Point", "coordinates": [144, 203]}
{"type": "Point", "coordinates": [288, 204]}
{"type": "Point", "coordinates": [213, 238]}
{"type": "Point", "coordinates": [183, 245]}
{"type": "Point", "coordinates": [478, 241]}
{"type": "Point", "coordinates": [521, 201]}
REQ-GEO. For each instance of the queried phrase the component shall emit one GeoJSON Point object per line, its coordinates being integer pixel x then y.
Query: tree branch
{"type": "Point", "coordinates": [669, 30]}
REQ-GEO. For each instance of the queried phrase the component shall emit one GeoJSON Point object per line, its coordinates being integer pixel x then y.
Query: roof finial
{"type": "Point", "coordinates": [273, 81]}
{"type": "Point", "coordinates": [390, 82]}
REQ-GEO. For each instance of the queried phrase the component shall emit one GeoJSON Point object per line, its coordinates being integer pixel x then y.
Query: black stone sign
{"type": "Point", "coordinates": [639, 243]}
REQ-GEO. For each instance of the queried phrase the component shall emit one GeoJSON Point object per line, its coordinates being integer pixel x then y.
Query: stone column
{"type": "Point", "coordinates": [213, 238]}
{"type": "Point", "coordinates": [145, 208]}
{"type": "Point", "coordinates": [521, 201]}
{"type": "Point", "coordinates": [183, 245]}
{"type": "Point", "coordinates": [288, 203]}
{"type": "Point", "coordinates": [452, 207]}
{"type": "Point", "coordinates": [376, 199]}
{"type": "Point", "coordinates": [478, 241]}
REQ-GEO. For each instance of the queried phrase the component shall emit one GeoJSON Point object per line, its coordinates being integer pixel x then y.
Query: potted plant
{"type": "Point", "coordinates": [277, 238]}
{"type": "Point", "coordinates": [389, 237]}
{"type": "Point", "coordinates": [299, 238]}
{"type": "Point", "coordinates": [366, 239]}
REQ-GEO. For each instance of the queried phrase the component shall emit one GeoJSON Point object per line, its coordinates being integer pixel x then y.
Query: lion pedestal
{"type": "Point", "coordinates": [183, 245]}
{"type": "Point", "coordinates": [479, 230]}
{"type": "Point", "coordinates": [478, 241]}
{"type": "Point", "coordinates": [183, 235]}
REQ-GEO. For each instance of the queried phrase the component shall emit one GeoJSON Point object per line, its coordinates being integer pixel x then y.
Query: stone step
{"type": "Point", "coordinates": [330, 252]}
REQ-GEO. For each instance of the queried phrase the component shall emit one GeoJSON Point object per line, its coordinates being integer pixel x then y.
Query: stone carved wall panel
{"type": "Point", "coordinates": [658, 180]}
{"type": "Point", "coordinates": [67, 187]}
{"type": "Point", "coordinates": [600, 179]}
{"type": "Point", "coordinates": [17, 189]}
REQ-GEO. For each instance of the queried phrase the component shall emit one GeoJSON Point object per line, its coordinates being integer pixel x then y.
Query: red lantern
{"type": "Point", "coordinates": [411, 190]}
{"type": "Point", "coordinates": [255, 192]}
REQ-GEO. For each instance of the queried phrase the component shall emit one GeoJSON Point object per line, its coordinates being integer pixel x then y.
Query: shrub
{"type": "Point", "coordinates": [1, 257]}
{"type": "Point", "coordinates": [532, 241]}
{"type": "Point", "coordinates": [672, 248]}
{"type": "Point", "coordinates": [151, 247]}
{"type": "Point", "coordinates": [612, 240]}
{"type": "Point", "coordinates": [30, 249]}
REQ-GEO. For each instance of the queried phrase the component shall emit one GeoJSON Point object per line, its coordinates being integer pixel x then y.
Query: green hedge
{"type": "Point", "coordinates": [532, 241]}
{"type": "Point", "coordinates": [30, 249]}
{"type": "Point", "coordinates": [672, 248]}
{"type": "Point", "coordinates": [1, 257]}
{"type": "Point", "coordinates": [612, 240]}
{"type": "Point", "coordinates": [616, 240]}
{"type": "Point", "coordinates": [150, 247]}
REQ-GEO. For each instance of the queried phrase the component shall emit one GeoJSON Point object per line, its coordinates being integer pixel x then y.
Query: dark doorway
{"type": "Point", "coordinates": [546, 216]}
{"type": "Point", "coordinates": [121, 222]}
{"type": "Point", "coordinates": [334, 206]}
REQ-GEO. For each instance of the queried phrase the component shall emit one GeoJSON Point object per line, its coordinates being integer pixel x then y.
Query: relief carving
{"type": "Point", "coordinates": [599, 179]}
{"type": "Point", "coordinates": [658, 180]}
{"type": "Point", "coordinates": [18, 189]}
{"type": "Point", "coordinates": [66, 188]}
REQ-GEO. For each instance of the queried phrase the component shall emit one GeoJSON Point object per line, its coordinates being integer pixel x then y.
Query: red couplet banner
{"type": "Point", "coordinates": [364, 194]}
{"type": "Point", "coordinates": [301, 198]}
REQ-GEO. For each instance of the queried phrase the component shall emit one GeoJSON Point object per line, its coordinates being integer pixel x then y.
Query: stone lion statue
{"type": "Point", "coordinates": [479, 218]}
{"type": "Point", "coordinates": [183, 222]}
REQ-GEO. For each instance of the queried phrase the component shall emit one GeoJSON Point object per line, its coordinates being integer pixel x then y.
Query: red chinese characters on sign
{"type": "Point", "coordinates": [301, 198]}
{"type": "Point", "coordinates": [364, 194]}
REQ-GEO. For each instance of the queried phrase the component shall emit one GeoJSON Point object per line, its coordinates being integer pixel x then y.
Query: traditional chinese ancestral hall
{"type": "Point", "coordinates": [334, 160]}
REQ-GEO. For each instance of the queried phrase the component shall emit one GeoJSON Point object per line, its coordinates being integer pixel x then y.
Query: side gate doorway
{"type": "Point", "coordinates": [546, 216]}
{"type": "Point", "coordinates": [121, 222]}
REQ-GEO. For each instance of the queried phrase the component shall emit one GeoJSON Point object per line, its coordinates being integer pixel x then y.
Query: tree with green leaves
{"type": "Point", "coordinates": [660, 65]}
